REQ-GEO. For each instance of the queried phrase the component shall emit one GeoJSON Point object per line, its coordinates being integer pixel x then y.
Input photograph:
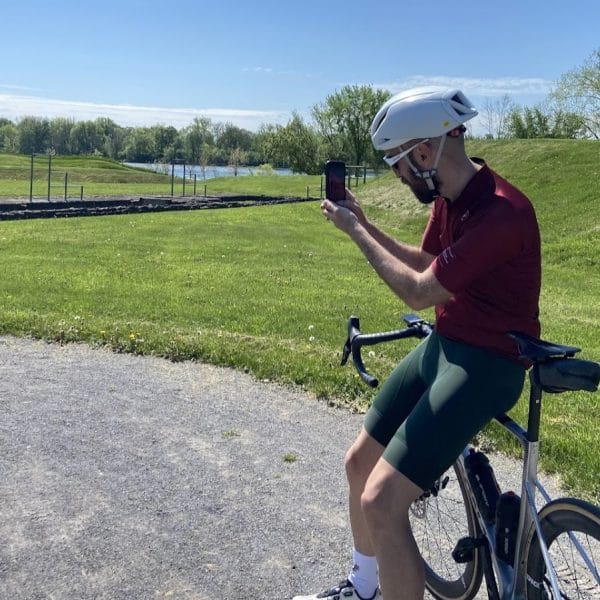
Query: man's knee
{"type": "Point", "coordinates": [375, 502]}
{"type": "Point", "coordinates": [355, 464]}
{"type": "Point", "coordinates": [387, 497]}
{"type": "Point", "coordinates": [361, 458]}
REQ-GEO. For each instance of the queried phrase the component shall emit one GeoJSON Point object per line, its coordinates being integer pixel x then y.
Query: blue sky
{"type": "Point", "coordinates": [145, 62]}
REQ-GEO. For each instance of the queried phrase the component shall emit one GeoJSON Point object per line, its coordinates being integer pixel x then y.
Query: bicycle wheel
{"type": "Point", "coordinates": [565, 523]}
{"type": "Point", "coordinates": [439, 518]}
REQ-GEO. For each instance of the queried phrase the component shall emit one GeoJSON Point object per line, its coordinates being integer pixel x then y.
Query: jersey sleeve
{"type": "Point", "coordinates": [496, 239]}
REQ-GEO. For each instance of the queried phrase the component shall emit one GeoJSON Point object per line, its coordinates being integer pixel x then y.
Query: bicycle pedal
{"type": "Point", "coordinates": [464, 550]}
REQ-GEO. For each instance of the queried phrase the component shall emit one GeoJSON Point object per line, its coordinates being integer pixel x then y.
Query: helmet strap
{"type": "Point", "coordinates": [428, 175]}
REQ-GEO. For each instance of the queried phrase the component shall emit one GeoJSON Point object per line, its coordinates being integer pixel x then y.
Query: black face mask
{"type": "Point", "coordinates": [425, 184]}
{"type": "Point", "coordinates": [421, 190]}
{"type": "Point", "coordinates": [429, 196]}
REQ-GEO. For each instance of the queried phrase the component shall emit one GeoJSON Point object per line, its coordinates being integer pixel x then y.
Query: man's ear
{"type": "Point", "coordinates": [424, 154]}
{"type": "Point", "coordinates": [457, 131]}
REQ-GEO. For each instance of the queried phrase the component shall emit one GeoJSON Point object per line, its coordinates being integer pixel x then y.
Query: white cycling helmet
{"type": "Point", "coordinates": [419, 113]}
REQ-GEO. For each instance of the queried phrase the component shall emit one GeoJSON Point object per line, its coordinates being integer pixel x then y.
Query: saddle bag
{"type": "Point", "coordinates": [567, 374]}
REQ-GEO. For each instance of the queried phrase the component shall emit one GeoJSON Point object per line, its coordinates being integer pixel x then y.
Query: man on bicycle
{"type": "Point", "coordinates": [479, 265]}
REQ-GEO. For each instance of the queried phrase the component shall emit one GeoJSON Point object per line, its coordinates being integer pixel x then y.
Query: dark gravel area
{"type": "Point", "coordinates": [18, 208]}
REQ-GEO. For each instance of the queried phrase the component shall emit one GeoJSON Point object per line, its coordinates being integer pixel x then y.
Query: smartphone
{"type": "Point", "coordinates": [335, 180]}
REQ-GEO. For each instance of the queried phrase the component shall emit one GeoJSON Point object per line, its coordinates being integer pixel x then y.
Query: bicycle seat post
{"type": "Point", "coordinates": [530, 467]}
{"type": "Point", "coordinates": [535, 406]}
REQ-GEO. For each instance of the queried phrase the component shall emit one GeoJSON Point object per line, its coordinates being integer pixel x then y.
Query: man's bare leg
{"type": "Point", "coordinates": [361, 459]}
{"type": "Point", "coordinates": [385, 502]}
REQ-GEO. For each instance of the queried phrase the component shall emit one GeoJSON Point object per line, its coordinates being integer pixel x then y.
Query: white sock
{"type": "Point", "coordinates": [364, 575]}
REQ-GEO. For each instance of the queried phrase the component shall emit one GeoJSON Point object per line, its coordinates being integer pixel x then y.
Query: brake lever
{"type": "Point", "coordinates": [346, 352]}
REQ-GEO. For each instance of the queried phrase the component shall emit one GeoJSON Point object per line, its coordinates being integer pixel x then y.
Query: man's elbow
{"type": "Point", "coordinates": [418, 303]}
{"type": "Point", "coordinates": [425, 293]}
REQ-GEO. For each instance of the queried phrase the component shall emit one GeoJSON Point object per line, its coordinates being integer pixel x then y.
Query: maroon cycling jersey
{"type": "Point", "coordinates": [487, 249]}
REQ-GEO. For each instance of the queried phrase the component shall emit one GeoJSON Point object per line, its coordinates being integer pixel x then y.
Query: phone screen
{"type": "Point", "coordinates": [335, 180]}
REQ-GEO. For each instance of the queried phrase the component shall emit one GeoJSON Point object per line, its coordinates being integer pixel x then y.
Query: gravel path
{"type": "Point", "coordinates": [126, 477]}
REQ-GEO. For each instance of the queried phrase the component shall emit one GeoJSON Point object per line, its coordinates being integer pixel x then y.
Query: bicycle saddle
{"type": "Point", "coordinates": [538, 351]}
{"type": "Point", "coordinates": [556, 370]}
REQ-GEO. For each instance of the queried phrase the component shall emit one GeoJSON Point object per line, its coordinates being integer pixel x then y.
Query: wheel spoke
{"type": "Point", "coordinates": [438, 520]}
{"type": "Point", "coordinates": [575, 578]}
{"type": "Point", "coordinates": [571, 529]}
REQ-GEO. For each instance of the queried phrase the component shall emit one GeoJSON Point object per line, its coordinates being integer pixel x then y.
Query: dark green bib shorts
{"type": "Point", "coordinates": [436, 400]}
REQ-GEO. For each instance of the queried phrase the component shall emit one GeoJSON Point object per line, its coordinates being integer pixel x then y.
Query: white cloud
{"type": "Point", "coordinates": [473, 86]}
{"type": "Point", "coordinates": [18, 88]}
{"type": "Point", "coordinates": [278, 73]}
{"type": "Point", "coordinates": [14, 107]}
{"type": "Point", "coordinates": [257, 69]}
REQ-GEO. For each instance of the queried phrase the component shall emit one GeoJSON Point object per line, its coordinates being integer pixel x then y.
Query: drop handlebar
{"type": "Point", "coordinates": [415, 327]}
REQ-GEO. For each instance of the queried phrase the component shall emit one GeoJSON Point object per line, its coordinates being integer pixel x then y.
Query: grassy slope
{"type": "Point", "coordinates": [98, 176]}
{"type": "Point", "coordinates": [561, 178]}
{"type": "Point", "coordinates": [268, 289]}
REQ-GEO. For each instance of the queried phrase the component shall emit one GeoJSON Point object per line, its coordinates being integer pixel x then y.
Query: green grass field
{"type": "Point", "coordinates": [268, 289]}
{"type": "Point", "coordinates": [101, 177]}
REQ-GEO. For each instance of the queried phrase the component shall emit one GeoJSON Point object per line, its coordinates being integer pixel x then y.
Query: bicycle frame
{"type": "Point", "coordinates": [504, 581]}
{"type": "Point", "coordinates": [510, 580]}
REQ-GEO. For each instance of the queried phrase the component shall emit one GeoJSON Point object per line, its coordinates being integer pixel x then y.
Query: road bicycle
{"type": "Point", "coordinates": [468, 531]}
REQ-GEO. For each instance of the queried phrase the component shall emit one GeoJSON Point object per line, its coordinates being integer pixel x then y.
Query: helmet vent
{"type": "Point", "coordinates": [376, 125]}
{"type": "Point", "coordinates": [459, 104]}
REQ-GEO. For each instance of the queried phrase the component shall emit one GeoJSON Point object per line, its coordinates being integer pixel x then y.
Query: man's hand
{"type": "Point", "coordinates": [343, 218]}
{"type": "Point", "coordinates": [345, 214]}
{"type": "Point", "coordinates": [352, 204]}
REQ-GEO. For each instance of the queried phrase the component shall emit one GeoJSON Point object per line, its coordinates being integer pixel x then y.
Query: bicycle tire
{"type": "Point", "coordinates": [438, 521]}
{"type": "Point", "coordinates": [576, 581]}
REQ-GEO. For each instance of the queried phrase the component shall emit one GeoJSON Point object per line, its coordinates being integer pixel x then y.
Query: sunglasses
{"type": "Point", "coordinates": [392, 160]}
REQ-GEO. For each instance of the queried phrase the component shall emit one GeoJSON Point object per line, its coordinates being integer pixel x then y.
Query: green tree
{"type": "Point", "coordinates": [300, 146]}
{"type": "Point", "coordinates": [540, 122]}
{"type": "Point", "coordinates": [140, 145]}
{"type": "Point", "coordinates": [344, 120]}
{"type": "Point", "coordinates": [578, 92]}
{"type": "Point", "coordinates": [111, 137]}
{"type": "Point", "coordinates": [567, 124]}
{"type": "Point", "coordinates": [33, 135]}
{"type": "Point", "coordinates": [266, 144]}
{"type": "Point", "coordinates": [85, 138]}
{"type": "Point", "coordinates": [60, 134]}
{"type": "Point", "coordinates": [230, 137]}
{"type": "Point", "coordinates": [196, 137]}
{"type": "Point", "coordinates": [166, 142]}
{"type": "Point", "coordinates": [8, 135]}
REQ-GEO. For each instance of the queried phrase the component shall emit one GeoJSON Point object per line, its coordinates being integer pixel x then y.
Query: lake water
{"type": "Point", "coordinates": [208, 172]}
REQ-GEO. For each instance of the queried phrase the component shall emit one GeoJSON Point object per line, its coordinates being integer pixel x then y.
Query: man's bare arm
{"type": "Point", "coordinates": [418, 289]}
{"type": "Point", "coordinates": [413, 256]}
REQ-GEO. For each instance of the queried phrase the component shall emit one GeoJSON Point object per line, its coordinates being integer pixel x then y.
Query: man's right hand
{"type": "Point", "coordinates": [352, 204]}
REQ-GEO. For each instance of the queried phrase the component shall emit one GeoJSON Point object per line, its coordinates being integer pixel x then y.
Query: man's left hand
{"type": "Point", "coordinates": [343, 218]}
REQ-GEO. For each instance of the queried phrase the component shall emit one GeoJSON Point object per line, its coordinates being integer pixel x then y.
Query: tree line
{"type": "Point", "coordinates": [339, 129]}
{"type": "Point", "coordinates": [571, 110]}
